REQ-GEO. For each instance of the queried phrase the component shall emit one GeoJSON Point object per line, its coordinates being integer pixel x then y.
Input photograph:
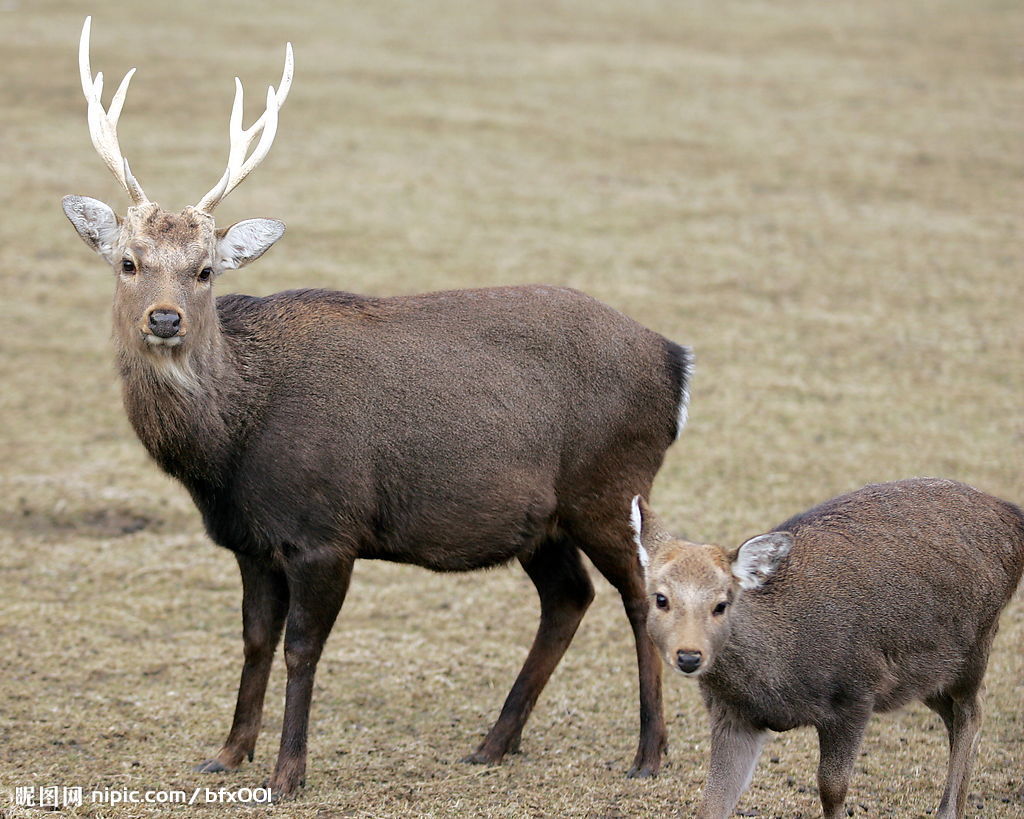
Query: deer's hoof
{"type": "Point", "coordinates": [211, 766]}
{"type": "Point", "coordinates": [481, 758]}
{"type": "Point", "coordinates": [642, 772]}
{"type": "Point", "coordinates": [284, 787]}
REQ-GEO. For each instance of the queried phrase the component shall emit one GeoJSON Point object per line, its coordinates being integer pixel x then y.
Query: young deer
{"type": "Point", "coordinates": [453, 431]}
{"type": "Point", "coordinates": [872, 600]}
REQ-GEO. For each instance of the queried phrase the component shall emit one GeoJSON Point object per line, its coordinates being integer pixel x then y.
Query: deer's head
{"type": "Point", "coordinates": [691, 587]}
{"type": "Point", "coordinates": [166, 262]}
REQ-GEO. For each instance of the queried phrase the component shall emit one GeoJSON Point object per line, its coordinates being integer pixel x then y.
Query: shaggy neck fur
{"type": "Point", "coordinates": [179, 401]}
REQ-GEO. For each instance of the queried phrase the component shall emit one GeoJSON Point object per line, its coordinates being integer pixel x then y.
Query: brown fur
{"type": "Point", "coordinates": [889, 594]}
{"type": "Point", "coordinates": [451, 430]}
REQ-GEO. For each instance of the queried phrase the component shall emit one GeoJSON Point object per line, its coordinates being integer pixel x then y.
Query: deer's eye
{"type": "Point", "coordinates": [720, 608]}
{"type": "Point", "coordinates": [127, 266]}
{"type": "Point", "coordinates": [661, 601]}
{"type": "Point", "coordinates": [205, 274]}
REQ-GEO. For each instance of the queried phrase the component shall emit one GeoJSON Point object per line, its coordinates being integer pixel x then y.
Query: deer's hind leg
{"type": "Point", "coordinates": [604, 535]}
{"type": "Point", "coordinates": [565, 593]}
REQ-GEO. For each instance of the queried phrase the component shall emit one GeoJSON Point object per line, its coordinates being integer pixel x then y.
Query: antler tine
{"type": "Point", "coordinates": [242, 138]}
{"type": "Point", "coordinates": [103, 124]}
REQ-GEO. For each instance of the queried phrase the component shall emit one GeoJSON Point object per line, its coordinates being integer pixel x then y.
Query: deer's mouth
{"type": "Point", "coordinates": [155, 341]}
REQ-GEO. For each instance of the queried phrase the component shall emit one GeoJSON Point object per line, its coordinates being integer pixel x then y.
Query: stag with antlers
{"type": "Point", "coordinates": [454, 431]}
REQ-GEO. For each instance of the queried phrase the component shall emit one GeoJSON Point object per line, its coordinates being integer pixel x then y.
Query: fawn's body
{"type": "Point", "coordinates": [865, 603]}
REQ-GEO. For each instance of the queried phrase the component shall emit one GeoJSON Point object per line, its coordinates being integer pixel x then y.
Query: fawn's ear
{"type": "Point", "coordinates": [245, 242]}
{"type": "Point", "coordinates": [95, 222]}
{"type": "Point", "coordinates": [646, 531]}
{"type": "Point", "coordinates": [757, 559]}
{"type": "Point", "coordinates": [636, 522]}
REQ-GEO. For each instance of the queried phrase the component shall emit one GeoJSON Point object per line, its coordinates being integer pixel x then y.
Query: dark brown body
{"type": "Point", "coordinates": [452, 431]}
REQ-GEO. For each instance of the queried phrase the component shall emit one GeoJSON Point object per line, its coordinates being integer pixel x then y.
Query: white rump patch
{"type": "Point", "coordinates": [683, 413]}
{"type": "Point", "coordinates": [759, 557]}
{"type": "Point", "coordinates": [636, 521]}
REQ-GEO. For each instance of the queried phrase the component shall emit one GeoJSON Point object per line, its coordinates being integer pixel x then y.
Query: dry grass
{"type": "Point", "coordinates": [824, 199]}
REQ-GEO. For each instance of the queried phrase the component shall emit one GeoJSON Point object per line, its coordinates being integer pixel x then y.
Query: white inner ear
{"type": "Point", "coordinates": [95, 222]}
{"type": "Point", "coordinates": [246, 241]}
{"type": "Point", "coordinates": [636, 521]}
{"type": "Point", "coordinates": [759, 557]}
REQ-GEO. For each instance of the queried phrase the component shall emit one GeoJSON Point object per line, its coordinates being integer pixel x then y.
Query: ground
{"type": "Point", "coordinates": [823, 199]}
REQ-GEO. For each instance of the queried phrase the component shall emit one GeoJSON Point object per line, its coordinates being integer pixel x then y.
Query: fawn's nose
{"type": "Point", "coordinates": [688, 661]}
{"type": "Point", "coordinates": [165, 323]}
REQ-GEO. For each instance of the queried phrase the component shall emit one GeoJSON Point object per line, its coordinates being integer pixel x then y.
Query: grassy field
{"type": "Point", "coordinates": [823, 199]}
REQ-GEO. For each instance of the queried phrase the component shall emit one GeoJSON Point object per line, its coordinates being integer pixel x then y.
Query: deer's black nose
{"type": "Point", "coordinates": [165, 323]}
{"type": "Point", "coordinates": [688, 661]}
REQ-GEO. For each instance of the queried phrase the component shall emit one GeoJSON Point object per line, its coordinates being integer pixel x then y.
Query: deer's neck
{"type": "Point", "coordinates": [183, 403]}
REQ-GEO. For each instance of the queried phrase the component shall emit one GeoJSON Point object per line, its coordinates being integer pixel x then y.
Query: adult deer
{"type": "Point", "coordinates": [453, 431]}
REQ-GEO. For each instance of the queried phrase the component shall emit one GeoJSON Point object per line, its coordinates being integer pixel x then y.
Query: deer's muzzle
{"type": "Point", "coordinates": [164, 323]}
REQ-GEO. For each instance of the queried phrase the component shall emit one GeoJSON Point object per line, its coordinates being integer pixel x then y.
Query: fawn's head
{"type": "Point", "coordinates": [691, 587]}
{"type": "Point", "coordinates": [166, 262]}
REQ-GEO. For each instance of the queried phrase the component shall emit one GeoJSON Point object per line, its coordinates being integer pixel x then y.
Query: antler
{"type": "Point", "coordinates": [266, 127]}
{"type": "Point", "coordinates": [103, 124]}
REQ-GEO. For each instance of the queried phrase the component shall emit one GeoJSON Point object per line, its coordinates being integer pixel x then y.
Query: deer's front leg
{"type": "Point", "coordinates": [317, 582]}
{"type": "Point", "coordinates": [837, 745]}
{"type": "Point", "coordinates": [264, 607]}
{"type": "Point", "coordinates": [735, 747]}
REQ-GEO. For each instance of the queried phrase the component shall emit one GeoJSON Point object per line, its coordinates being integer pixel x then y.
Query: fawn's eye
{"type": "Point", "coordinates": [205, 274]}
{"type": "Point", "coordinates": [127, 266]}
{"type": "Point", "coordinates": [661, 601]}
{"type": "Point", "coordinates": [720, 608]}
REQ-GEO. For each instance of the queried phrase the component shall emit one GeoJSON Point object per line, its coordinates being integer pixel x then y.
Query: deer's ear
{"type": "Point", "coordinates": [757, 559]}
{"type": "Point", "coordinates": [95, 222]}
{"type": "Point", "coordinates": [646, 531]}
{"type": "Point", "coordinates": [245, 242]}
